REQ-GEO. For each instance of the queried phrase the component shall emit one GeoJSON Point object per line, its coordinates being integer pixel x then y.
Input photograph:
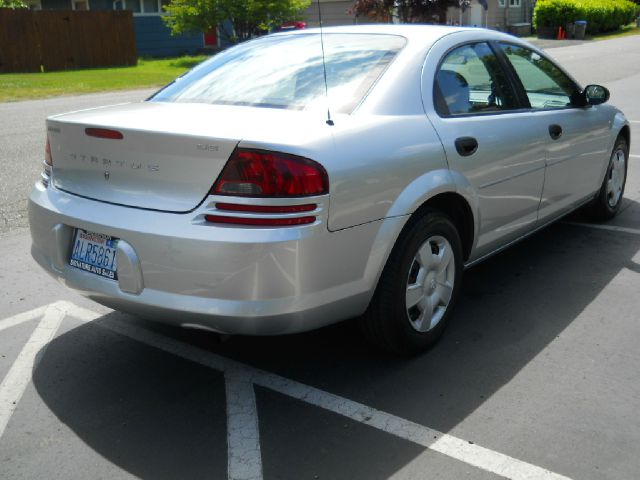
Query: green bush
{"type": "Point", "coordinates": [601, 15]}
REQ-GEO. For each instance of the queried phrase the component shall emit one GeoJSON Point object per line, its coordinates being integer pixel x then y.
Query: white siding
{"type": "Point", "coordinates": [494, 16]}
{"type": "Point", "coordinates": [333, 13]}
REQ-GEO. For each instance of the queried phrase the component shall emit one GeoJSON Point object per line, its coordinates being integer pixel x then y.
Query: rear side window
{"type": "Point", "coordinates": [287, 72]}
{"type": "Point", "coordinates": [545, 84]}
{"type": "Point", "coordinates": [471, 81]}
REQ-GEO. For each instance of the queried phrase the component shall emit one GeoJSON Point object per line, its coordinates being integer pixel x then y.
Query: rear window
{"type": "Point", "coordinates": [286, 72]}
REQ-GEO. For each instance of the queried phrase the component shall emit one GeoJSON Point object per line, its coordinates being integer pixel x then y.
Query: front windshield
{"type": "Point", "coordinates": [285, 71]}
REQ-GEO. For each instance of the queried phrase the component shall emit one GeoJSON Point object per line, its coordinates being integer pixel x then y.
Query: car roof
{"type": "Point", "coordinates": [420, 35]}
{"type": "Point", "coordinates": [424, 33]}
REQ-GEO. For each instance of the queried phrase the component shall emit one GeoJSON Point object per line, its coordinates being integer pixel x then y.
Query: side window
{"type": "Point", "coordinates": [471, 81]}
{"type": "Point", "coordinates": [545, 84]}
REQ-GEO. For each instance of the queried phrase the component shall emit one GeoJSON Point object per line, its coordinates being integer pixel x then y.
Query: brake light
{"type": "Point", "coordinates": [263, 221]}
{"type": "Point", "coordinates": [234, 207]}
{"type": "Point", "coordinates": [104, 133]}
{"type": "Point", "coordinates": [260, 222]}
{"type": "Point", "coordinates": [47, 154]}
{"type": "Point", "coordinates": [261, 173]}
{"type": "Point", "coordinates": [45, 175]}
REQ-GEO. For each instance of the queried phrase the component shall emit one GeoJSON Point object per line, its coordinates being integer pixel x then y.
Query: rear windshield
{"type": "Point", "coordinates": [286, 72]}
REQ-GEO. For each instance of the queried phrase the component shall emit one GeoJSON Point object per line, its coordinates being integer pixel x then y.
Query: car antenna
{"type": "Point", "coordinates": [324, 67]}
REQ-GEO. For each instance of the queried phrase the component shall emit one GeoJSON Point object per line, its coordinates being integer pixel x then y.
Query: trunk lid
{"type": "Point", "coordinates": [170, 154]}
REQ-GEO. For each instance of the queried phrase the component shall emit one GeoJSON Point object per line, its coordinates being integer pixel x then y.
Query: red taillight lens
{"type": "Point", "coordinates": [104, 133]}
{"type": "Point", "coordinates": [261, 222]}
{"type": "Point", "coordinates": [47, 154]}
{"type": "Point", "coordinates": [260, 173]}
{"type": "Point", "coordinates": [234, 207]}
{"type": "Point", "coordinates": [262, 209]}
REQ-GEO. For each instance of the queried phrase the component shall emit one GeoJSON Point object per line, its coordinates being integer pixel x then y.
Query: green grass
{"type": "Point", "coordinates": [148, 73]}
{"type": "Point", "coordinates": [625, 31]}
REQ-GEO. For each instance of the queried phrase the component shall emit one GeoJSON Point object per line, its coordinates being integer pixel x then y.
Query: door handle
{"type": "Point", "coordinates": [555, 131]}
{"type": "Point", "coordinates": [466, 146]}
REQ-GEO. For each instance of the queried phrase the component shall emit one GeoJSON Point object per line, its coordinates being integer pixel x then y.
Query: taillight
{"type": "Point", "coordinates": [45, 176]}
{"type": "Point", "coordinates": [264, 220]}
{"type": "Point", "coordinates": [47, 154]}
{"type": "Point", "coordinates": [234, 207]}
{"type": "Point", "coordinates": [104, 133]}
{"type": "Point", "coordinates": [260, 222]}
{"type": "Point", "coordinates": [260, 173]}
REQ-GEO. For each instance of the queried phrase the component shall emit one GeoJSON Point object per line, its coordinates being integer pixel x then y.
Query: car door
{"type": "Point", "coordinates": [578, 135]}
{"type": "Point", "coordinates": [497, 150]}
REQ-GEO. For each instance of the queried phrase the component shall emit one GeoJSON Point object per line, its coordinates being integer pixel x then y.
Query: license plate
{"type": "Point", "coordinates": [94, 253]}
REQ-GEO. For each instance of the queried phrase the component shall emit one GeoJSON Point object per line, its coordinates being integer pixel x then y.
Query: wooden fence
{"type": "Point", "coordinates": [32, 41]}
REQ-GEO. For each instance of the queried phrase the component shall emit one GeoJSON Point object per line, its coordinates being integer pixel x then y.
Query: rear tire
{"type": "Point", "coordinates": [607, 204]}
{"type": "Point", "coordinates": [418, 287]}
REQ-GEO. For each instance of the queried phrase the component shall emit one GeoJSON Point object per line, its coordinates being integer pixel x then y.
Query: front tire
{"type": "Point", "coordinates": [418, 287]}
{"type": "Point", "coordinates": [607, 204]}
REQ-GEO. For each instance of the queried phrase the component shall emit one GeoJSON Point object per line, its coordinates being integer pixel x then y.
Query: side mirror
{"type": "Point", "coordinates": [595, 94]}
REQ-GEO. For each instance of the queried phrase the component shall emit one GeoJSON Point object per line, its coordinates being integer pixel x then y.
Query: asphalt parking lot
{"type": "Point", "coordinates": [537, 377]}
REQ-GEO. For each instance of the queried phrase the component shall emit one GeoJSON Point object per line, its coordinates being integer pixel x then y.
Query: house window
{"type": "Point", "coordinates": [141, 7]}
{"type": "Point", "coordinates": [150, 6]}
{"type": "Point", "coordinates": [79, 4]}
{"type": "Point", "coordinates": [134, 5]}
{"type": "Point", "coordinates": [512, 3]}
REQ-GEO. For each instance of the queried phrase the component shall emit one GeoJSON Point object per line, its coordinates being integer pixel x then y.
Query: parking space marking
{"type": "Point", "coordinates": [21, 318]}
{"type": "Point", "coordinates": [244, 459]}
{"type": "Point", "coordinates": [613, 228]}
{"type": "Point", "coordinates": [462, 450]}
{"type": "Point", "coordinates": [19, 375]}
{"type": "Point", "coordinates": [634, 156]}
{"type": "Point", "coordinates": [243, 437]}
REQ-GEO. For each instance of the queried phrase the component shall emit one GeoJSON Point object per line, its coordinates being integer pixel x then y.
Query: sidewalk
{"type": "Point", "coordinates": [546, 43]}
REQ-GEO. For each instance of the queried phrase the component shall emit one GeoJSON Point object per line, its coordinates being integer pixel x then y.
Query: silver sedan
{"type": "Point", "coordinates": [309, 177]}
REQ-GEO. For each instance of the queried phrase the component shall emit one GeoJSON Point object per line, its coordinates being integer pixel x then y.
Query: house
{"type": "Point", "coordinates": [334, 12]}
{"type": "Point", "coordinates": [512, 16]}
{"type": "Point", "coordinates": [153, 38]}
{"type": "Point", "coordinates": [507, 15]}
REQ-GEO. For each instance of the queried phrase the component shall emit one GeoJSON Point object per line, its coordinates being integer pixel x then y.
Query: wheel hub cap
{"type": "Point", "coordinates": [430, 283]}
{"type": "Point", "coordinates": [616, 177]}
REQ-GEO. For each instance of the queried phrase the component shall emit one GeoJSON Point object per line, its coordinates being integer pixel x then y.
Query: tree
{"type": "Point", "coordinates": [407, 11]}
{"type": "Point", "coordinates": [237, 20]}
{"type": "Point", "coordinates": [13, 4]}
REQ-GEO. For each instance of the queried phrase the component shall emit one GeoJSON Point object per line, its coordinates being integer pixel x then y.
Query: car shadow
{"type": "Point", "coordinates": [158, 416]}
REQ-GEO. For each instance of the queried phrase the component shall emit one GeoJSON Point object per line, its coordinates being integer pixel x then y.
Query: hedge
{"type": "Point", "coordinates": [601, 15]}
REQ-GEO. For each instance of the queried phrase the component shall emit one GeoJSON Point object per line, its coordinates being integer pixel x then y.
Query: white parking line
{"type": "Point", "coordinates": [449, 445]}
{"type": "Point", "coordinates": [613, 228]}
{"type": "Point", "coordinates": [19, 375]}
{"type": "Point", "coordinates": [446, 444]}
{"type": "Point", "coordinates": [244, 457]}
{"type": "Point", "coordinates": [21, 318]}
{"type": "Point", "coordinates": [634, 156]}
{"type": "Point", "coordinates": [243, 438]}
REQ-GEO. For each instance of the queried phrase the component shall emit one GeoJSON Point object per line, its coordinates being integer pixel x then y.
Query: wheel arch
{"type": "Point", "coordinates": [625, 132]}
{"type": "Point", "coordinates": [443, 190]}
{"type": "Point", "coordinates": [456, 207]}
{"type": "Point", "coordinates": [448, 192]}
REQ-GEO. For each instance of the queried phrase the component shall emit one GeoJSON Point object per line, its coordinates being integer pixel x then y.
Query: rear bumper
{"type": "Point", "coordinates": [179, 269]}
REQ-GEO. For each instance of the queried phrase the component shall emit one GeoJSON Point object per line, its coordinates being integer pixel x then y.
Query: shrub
{"type": "Point", "coordinates": [601, 15]}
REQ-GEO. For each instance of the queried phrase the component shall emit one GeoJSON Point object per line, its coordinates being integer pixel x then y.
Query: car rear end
{"type": "Point", "coordinates": [206, 211]}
